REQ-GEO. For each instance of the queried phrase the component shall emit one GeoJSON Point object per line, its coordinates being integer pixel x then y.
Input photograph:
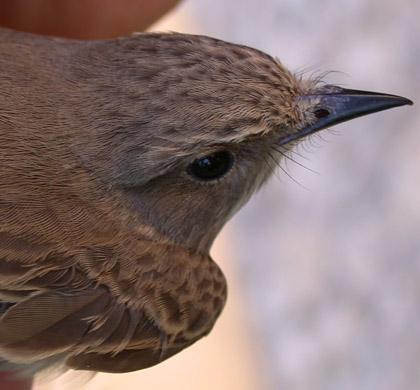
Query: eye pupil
{"type": "Point", "coordinates": [211, 167]}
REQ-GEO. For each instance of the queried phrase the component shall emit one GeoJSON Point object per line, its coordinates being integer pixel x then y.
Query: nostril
{"type": "Point", "coordinates": [321, 113]}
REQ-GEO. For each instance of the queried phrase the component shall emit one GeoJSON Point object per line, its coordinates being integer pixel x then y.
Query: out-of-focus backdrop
{"type": "Point", "coordinates": [324, 274]}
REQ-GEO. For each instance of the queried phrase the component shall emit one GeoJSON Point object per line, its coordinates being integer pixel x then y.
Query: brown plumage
{"type": "Point", "coordinates": [121, 160]}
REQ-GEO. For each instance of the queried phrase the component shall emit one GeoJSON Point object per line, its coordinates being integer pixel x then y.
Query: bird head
{"type": "Point", "coordinates": [187, 128]}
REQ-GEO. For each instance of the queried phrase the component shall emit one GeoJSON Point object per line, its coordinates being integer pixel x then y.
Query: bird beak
{"type": "Point", "coordinates": [338, 105]}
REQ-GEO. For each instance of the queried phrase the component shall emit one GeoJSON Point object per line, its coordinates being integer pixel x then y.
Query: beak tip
{"type": "Point", "coordinates": [401, 101]}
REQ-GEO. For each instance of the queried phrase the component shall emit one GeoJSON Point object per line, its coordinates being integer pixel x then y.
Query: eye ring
{"type": "Point", "coordinates": [211, 167]}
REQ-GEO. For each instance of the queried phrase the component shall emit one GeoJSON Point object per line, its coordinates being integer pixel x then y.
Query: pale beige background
{"type": "Point", "coordinates": [324, 289]}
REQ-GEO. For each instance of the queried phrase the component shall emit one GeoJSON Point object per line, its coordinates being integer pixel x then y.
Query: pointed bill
{"type": "Point", "coordinates": [338, 105]}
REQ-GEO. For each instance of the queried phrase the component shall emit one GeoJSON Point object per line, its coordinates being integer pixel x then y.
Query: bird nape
{"type": "Point", "coordinates": [121, 160]}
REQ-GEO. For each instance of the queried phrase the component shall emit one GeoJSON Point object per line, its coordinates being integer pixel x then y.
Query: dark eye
{"type": "Point", "coordinates": [211, 167]}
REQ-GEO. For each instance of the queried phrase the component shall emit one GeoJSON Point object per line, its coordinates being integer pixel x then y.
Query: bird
{"type": "Point", "coordinates": [121, 160]}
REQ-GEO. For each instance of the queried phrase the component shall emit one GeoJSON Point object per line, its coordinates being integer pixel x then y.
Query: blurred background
{"type": "Point", "coordinates": [324, 268]}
